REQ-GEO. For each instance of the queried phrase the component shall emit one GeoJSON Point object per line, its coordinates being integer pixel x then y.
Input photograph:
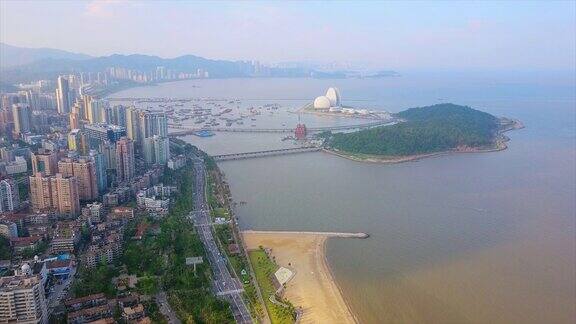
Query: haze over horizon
{"type": "Point", "coordinates": [414, 35]}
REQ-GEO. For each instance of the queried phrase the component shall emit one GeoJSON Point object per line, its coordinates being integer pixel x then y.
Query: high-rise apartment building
{"type": "Point", "coordinates": [22, 116]}
{"type": "Point", "coordinates": [40, 192]}
{"type": "Point", "coordinates": [124, 159]}
{"type": "Point", "coordinates": [152, 123]}
{"type": "Point", "coordinates": [44, 161]}
{"type": "Point", "coordinates": [156, 150]}
{"type": "Point", "coordinates": [77, 141]}
{"type": "Point", "coordinates": [108, 149]}
{"type": "Point", "coordinates": [74, 120]}
{"type": "Point", "coordinates": [22, 299]}
{"type": "Point", "coordinates": [9, 196]}
{"type": "Point", "coordinates": [117, 115]}
{"type": "Point", "coordinates": [98, 111]}
{"type": "Point", "coordinates": [85, 172]}
{"type": "Point", "coordinates": [87, 101]}
{"type": "Point", "coordinates": [63, 95]}
{"type": "Point", "coordinates": [100, 165]}
{"type": "Point", "coordinates": [76, 114]}
{"type": "Point", "coordinates": [55, 192]}
{"type": "Point", "coordinates": [132, 128]}
{"type": "Point", "coordinates": [65, 198]}
{"type": "Point", "coordinates": [96, 133]}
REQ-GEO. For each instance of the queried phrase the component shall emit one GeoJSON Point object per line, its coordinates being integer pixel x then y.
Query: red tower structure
{"type": "Point", "coordinates": [300, 132]}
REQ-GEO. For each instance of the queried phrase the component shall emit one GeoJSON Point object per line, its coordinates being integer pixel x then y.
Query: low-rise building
{"type": "Point", "coordinates": [85, 302]}
{"type": "Point", "coordinates": [93, 213]}
{"type": "Point", "coordinates": [134, 313]}
{"type": "Point", "coordinates": [88, 315]}
{"type": "Point", "coordinates": [66, 236]}
{"type": "Point", "coordinates": [106, 244]}
{"type": "Point", "coordinates": [59, 268]}
{"type": "Point", "coordinates": [17, 166]}
{"type": "Point", "coordinates": [176, 162]}
{"type": "Point", "coordinates": [121, 213]}
{"type": "Point", "coordinates": [20, 244]}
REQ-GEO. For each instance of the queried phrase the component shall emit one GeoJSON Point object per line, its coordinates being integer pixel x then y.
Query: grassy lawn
{"type": "Point", "coordinates": [221, 212]}
{"type": "Point", "coordinates": [264, 268]}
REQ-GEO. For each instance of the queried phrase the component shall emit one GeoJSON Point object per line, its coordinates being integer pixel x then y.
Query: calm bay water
{"type": "Point", "coordinates": [469, 238]}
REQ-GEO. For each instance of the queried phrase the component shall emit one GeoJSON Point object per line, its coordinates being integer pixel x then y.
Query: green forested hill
{"type": "Point", "coordinates": [425, 130]}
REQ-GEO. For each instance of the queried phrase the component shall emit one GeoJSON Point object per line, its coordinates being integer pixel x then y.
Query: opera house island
{"type": "Point", "coordinates": [331, 104]}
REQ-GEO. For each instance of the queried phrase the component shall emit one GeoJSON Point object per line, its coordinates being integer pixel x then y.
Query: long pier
{"type": "Point", "coordinates": [190, 131]}
{"type": "Point", "coordinates": [258, 154]}
{"type": "Point", "coordinates": [330, 234]}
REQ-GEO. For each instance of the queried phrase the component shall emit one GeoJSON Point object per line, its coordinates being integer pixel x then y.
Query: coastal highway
{"type": "Point", "coordinates": [224, 284]}
{"type": "Point", "coordinates": [165, 309]}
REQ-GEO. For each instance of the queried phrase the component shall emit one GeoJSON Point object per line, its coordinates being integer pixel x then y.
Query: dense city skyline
{"type": "Point", "coordinates": [251, 162]}
{"type": "Point", "coordinates": [464, 35]}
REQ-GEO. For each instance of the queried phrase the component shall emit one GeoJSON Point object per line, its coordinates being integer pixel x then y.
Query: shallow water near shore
{"type": "Point", "coordinates": [468, 238]}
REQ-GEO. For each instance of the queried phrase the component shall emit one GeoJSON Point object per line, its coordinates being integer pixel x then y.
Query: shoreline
{"type": "Point", "coordinates": [500, 145]}
{"type": "Point", "coordinates": [333, 277]}
{"type": "Point", "coordinates": [313, 289]}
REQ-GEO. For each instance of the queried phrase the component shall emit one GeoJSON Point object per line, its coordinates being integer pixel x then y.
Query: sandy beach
{"type": "Point", "coordinates": [313, 288]}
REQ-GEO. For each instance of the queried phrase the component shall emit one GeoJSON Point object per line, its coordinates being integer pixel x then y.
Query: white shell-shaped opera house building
{"type": "Point", "coordinates": [334, 95]}
{"type": "Point", "coordinates": [322, 102]}
{"type": "Point", "coordinates": [329, 101]}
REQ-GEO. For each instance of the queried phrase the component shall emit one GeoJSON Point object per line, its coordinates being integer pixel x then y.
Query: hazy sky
{"type": "Point", "coordinates": [496, 34]}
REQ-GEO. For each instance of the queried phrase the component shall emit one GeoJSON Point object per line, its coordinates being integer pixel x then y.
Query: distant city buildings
{"type": "Point", "coordinates": [22, 116]}
{"type": "Point", "coordinates": [98, 111]}
{"type": "Point", "coordinates": [63, 95]}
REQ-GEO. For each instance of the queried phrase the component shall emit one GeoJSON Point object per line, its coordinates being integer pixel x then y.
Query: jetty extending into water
{"type": "Point", "coordinates": [359, 235]}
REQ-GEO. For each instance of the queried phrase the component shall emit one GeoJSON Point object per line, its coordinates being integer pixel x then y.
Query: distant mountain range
{"type": "Point", "coordinates": [11, 56]}
{"type": "Point", "coordinates": [19, 64]}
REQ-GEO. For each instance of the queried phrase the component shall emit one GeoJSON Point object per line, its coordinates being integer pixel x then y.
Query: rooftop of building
{"type": "Point", "coordinates": [122, 209]}
{"type": "Point", "coordinates": [133, 310]}
{"type": "Point", "coordinates": [105, 126]}
{"type": "Point", "coordinates": [12, 283]}
{"type": "Point", "coordinates": [24, 241]}
{"type": "Point", "coordinates": [89, 311]}
{"type": "Point", "coordinates": [58, 264]}
{"type": "Point", "coordinates": [84, 299]}
{"type": "Point", "coordinates": [107, 320]}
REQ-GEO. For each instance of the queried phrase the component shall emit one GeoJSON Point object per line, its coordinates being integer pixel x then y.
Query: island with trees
{"type": "Point", "coordinates": [423, 132]}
